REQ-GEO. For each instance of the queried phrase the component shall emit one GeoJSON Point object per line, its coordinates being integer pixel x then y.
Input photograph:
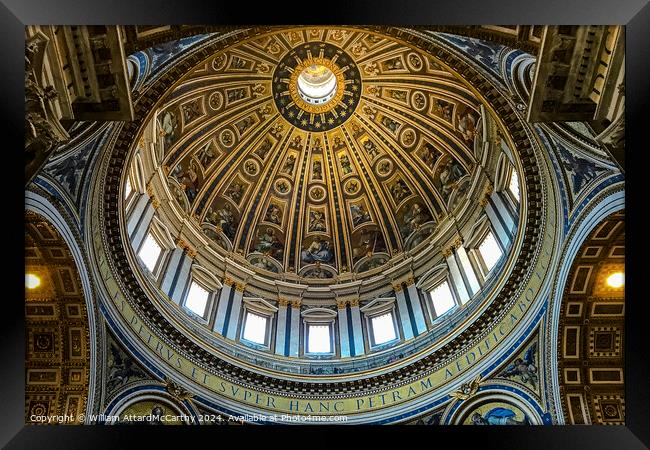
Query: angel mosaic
{"type": "Point", "coordinates": [524, 368]}
{"type": "Point", "coordinates": [264, 148]}
{"type": "Point", "coordinates": [235, 192]}
{"type": "Point", "coordinates": [359, 214]}
{"type": "Point", "coordinates": [393, 64]}
{"type": "Point", "coordinates": [399, 190]}
{"type": "Point", "coordinates": [317, 170]}
{"type": "Point", "coordinates": [206, 155]}
{"type": "Point", "coordinates": [345, 164]}
{"type": "Point", "coordinates": [429, 155]}
{"type": "Point", "coordinates": [191, 111]}
{"type": "Point", "coordinates": [467, 126]}
{"type": "Point", "coordinates": [273, 214]}
{"type": "Point", "coordinates": [370, 148]}
{"type": "Point", "coordinates": [390, 124]}
{"type": "Point", "coordinates": [236, 94]}
{"type": "Point", "coordinates": [316, 221]}
{"type": "Point", "coordinates": [289, 164]}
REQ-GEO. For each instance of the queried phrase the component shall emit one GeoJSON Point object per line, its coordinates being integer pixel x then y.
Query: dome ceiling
{"type": "Point", "coordinates": [319, 152]}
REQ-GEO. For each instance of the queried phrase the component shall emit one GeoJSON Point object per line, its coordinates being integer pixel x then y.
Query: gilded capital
{"type": "Point", "coordinates": [354, 302]}
{"type": "Point", "coordinates": [283, 301]}
{"type": "Point", "coordinates": [447, 252]}
{"type": "Point", "coordinates": [240, 287]}
{"type": "Point", "coordinates": [229, 281]}
{"type": "Point", "coordinates": [340, 303]}
{"type": "Point", "coordinates": [296, 303]}
{"type": "Point", "coordinates": [397, 287]}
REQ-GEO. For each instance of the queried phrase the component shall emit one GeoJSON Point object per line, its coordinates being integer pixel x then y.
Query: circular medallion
{"type": "Point", "coordinates": [252, 167]}
{"type": "Point", "coordinates": [384, 167]}
{"type": "Point", "coordinates": [316, 87]}
{"type": "Point", "coordinates": [282, 186]}
{"type": "Point", "coordinates": [407, 137]}
{"type": "Point", "coordinates": [216, 100]}
{"type": "Point", "coordinates": [316, 194]}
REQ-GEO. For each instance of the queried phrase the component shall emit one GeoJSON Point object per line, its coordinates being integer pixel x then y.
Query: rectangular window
{"type": "Point", "coordinates": [383, 328]}
{"type": "Point", "coordinates": [255, 328]}
{"type": "Point", "coordinates": [490, 251]}
{"type": "Point", "coordinates": [150, 252]}
{"type": "Point", "coordinates": [514, 185]}
{"type": "Point", "coordinates": [127, 188]}
{"type": "Point", "coordinates": [197, 299]}
{"type": "Point", "coordinates": [442, 298]}
{"type": "Point", "coordinates": [319, 339]}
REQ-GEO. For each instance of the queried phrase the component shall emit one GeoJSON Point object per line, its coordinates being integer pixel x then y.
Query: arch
{"type": "Point", "coordinates": [591, 328]}
{"type": "Point", "coordinates": [59, 376]}
{"type": "Point", "coordinates": [41, 206]}
{"type": "Point", "coordinates": [611, 201]}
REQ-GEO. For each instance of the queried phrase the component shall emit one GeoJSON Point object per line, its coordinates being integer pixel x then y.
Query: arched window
{"type": "Point", "coordinates": [197, 299]}
{"type": "Point", "coordinates": [513, 186]}
{"type": "Point", "coordinates": [150, 253]}
{"type": "Point", "coordinates": [255, 327]}
{"type": "Point", "coordinates": [319, 338]}
{"type": "Point", "coordinates": [442, 298]}
{"type": "Point", "coordinates": [383, 328]}
{"type": "Point", "coordinates": [489, 251]}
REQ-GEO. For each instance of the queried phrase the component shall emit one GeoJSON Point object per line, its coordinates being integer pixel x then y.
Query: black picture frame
{"type": "Point", "coordinates": [15, 14]}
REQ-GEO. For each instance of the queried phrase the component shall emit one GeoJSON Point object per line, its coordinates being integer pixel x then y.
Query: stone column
{"type": "Point", "coordinates": [294, 336]}
{"type": "Point", "coordinates": [416, 306]}
{"type": "Point", "coordinates": [344, 335]}
{"type": "Point", "coordinates": [136, 213]}
{"type": "Point", "coordinates": [504, 212]}
{"type": "Point", "coordinates": [141, 219]}
{"type": "Point", "coordinates": [357, 328]}
{"type": "Point", "coordinates": [232, 320]}
{"type": "Point", "coordinates": [281, 330]}
{"type": "Point", "coordinates": [404, 316]}
{"type": "Point", "coordinates": [473, 285]}
{"type": "Point", "coordinates": [225, 298]}
{"type": "Point", "coordinates": [456, 275]}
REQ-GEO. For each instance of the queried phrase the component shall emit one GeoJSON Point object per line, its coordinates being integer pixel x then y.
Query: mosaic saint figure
{"type": "Point", "coordinates": [269, 244]}
{"type": "Point", "coordinates": [449, 176]}
{"type": "Point", "coordinates": [169, 126]}
{"type": "Point", "coordinates": [318, 250]}
{"type": "Point", "coordinates": [414, 218]}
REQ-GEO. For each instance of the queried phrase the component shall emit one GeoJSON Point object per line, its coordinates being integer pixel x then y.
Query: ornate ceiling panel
{"type": "Point", "coordinates": [319, 189]}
